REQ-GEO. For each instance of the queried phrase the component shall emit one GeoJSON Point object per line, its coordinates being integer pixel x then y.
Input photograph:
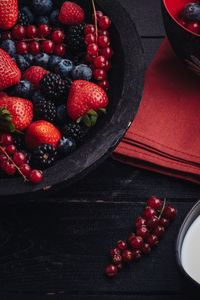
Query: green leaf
{"type": "Point", "coordinates": [79, 120]}
{"type": "Point", "coordinates": [93, 120]}
{"type": "Point", "coordinates": [87, 121]}
{"type": "Point", "coordinates": [92, 112]}
{"type": "Point", "coordinates": [103, 110]}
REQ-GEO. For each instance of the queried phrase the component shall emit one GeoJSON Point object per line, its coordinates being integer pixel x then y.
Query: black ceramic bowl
{"type": "Point", "coordinates": [126, 87]}
{"type": "Point", "coordinates": [189, 219]}
{"type": "Point", "coordinates": [185, 43]}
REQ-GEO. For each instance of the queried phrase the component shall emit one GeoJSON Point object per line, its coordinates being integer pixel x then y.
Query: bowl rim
{"type": "Point", "coordinates": [193, 33]}
{"type": "Point", "coordinates": [130, 84]}
{"type": "Point", "coordinates": [179, 243]}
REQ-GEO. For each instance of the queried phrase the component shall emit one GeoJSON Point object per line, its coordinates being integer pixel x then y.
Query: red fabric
{"type": "Point", "coordinates": [165, 135]}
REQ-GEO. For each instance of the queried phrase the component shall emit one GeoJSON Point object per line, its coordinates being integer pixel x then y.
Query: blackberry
{"type": "Point", "coordinates": [52, 86]}
{"type": "Point", "coordinates": [79, 59]}
{"type": "Point", "coordinates": [45, 110]}
{"type": "Point", "coordinates": [74, 131]}
{"type": "Point", "coordinates": [76, 37]}
{"type": "Point", "coordinates": [18, 141]}
{"type": "Point", "coordinates": [23, 19]}
{"type": "Point", "coordinates": [44, 156]}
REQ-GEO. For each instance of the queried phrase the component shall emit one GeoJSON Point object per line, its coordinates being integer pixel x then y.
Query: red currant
{"type": "Point", "coordinates": [22, 47]}
{"type": "Point", "coordinates": [136, 242]}
{"type": "Point", "coordinates": [117, 259]}
{"type": "Point", "coordinates": [89, 38]}
{"type": "Point", "coordinates": [36, 176]}
{"type": "Point", "coordinates": [163, 222]}
{"type": "Point", "coordinates": [152, 222]}
{"type": "Point", "coordinates": [142, 231]}
{"type": "Point", "coordinates": [44, 30]}
{"type": "Point", "coordinates": [107, 52]}
{"type": "Point", "coordinates": [60, 49]}
{"type": "Point", "coordinates": [127, 255]}
{"type": "Point", "coordinates": [152, 240]}
{"type": "Point", "coordinates": [111, 270]}
{"type": "Point", "coordinates": [4, 164]}
{"type": "Point", "coordinates": [99, 14]}
{"type": "Point", "coordinates": [31, 31]}
{"type": "Point", "coordinates": [19, 32]}
{"type": "Point", "coordinates": [6, 35]}
{"type": "Point", "coordinates": [146, 249]}
{"type": "Point", "coordinates": [92, 49]}
{"type": "Point", "coordinates": [194, 27]}
{"type": "Point", "coordinates": [103, 32]}
{"type": "Point", "coordinates": [108, 65]}
{"type": "Point", "coordinates": [103, 41]}
{"type": "Point", "coordinates": [121, 245]}
{"type": "Point", "coordinates": [149, 212]}
{"type": "Point", "coordinates": [154, 202]}
{"type": "Point", "coordinates": [58, 36]}
{"type": "Point", "coordinates": [10, 169]}
{"type": "Point", "coordinates": [48, 46]}
{"type": "Point", "coordinates": [99, 74]}
{"type": "Point", "coordinates": [159, 231]}
{"type": "Point", "coordinates": [169, 212]}
{"type": "Point", "coordinates": [183, 23]}
{"type": "Point", "coordinates": [6, 139]}
{"type": "Point", "coordinates": [89, 29]}
{"type": "Point", "coordinates": [139, 222]}
{"type": "Point", "coordinates": [132, 235]}
{"type": "Point", "coordinates": [11, 149]}
{"type": "Point", "coordinates": [3, 158]}
{"type": "Point", "coordinates": [104, 84]}
{"type": "Point", "coordinates": [137, 254]}
{"type": "Point", "coordinates": [100, 61]}
{"type": "Point", "coordinates": [19, 158]}
{"type": "Point", "coordinates": [25, 169]}
{"type": "Point", "coordinates": [89, 58]}
{"type": "Point", "coordinates": [34, 47]}
{"type": "Point", "coordinates": [104, 22]}
{"type": "Point", "coordinates": [115, 251]}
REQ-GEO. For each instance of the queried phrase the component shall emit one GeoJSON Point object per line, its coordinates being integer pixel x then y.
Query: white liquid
{"type": "Point", "coordinates": [190, 253]}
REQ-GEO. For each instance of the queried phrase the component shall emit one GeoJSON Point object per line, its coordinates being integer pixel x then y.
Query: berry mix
{"type": "Point", "coordinates": [149, 228]}
{"type": "Point", "coordinates": [53, 81]}
{"type": "Point", "coordinates": [190, 17]}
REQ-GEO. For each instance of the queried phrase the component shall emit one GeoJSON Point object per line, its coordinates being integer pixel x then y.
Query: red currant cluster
{"type": "Point", "coordinates": [99, 51]}
{"type": "Point", "coordinates": [148, 230]}
{"type": "Point", "coordinates": [36, 39]}
{"type": "Point", "coordinates": [12, 161]}
{"type": "Point", "coordinates": [192, 26]}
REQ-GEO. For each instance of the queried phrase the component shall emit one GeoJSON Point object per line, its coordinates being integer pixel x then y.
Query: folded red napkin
{"type": "Point", "coordinates": [165, 135]}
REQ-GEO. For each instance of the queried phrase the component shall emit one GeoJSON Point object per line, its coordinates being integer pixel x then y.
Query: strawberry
{"type": "Point", "coordinates": [71, 13]}
{"type": "Point", "coordinates": [15, 113]}
{"type": "Point", "coordinates": [85, 100]}
{"type": "Point", "coordinates": [8, 13]}
{"type": "Point", "coordinates": [41, 132]}
{"type": "Point", "coordinates": [3, 94]}
{"type": "Point", "coordinates": [34, 74]}
{"type": "Point", "coordinates": [10, 74]}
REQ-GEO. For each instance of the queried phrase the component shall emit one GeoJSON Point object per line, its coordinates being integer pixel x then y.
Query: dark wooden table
{"type": "Point", "coordinates": [57, 244]}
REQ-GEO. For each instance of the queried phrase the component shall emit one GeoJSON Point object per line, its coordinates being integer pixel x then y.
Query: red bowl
{"type": "Point", "coordinates": [185, 43]}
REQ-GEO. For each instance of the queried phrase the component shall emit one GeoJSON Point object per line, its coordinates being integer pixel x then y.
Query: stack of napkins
{"type": "Point", "coordinates": [165, 135]}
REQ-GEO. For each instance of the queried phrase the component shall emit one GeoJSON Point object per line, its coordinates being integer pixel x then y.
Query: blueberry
{"type": "Point", "coordinates": [82, 72]}
{"type": "Point", "coordinates": [21, 62]}
{"type": "Point", "coordinates": [28, 12]}
{"type": "Point", "coordinates": [29, 57]}
{"type": "Point", "coordinates": [42, 20]}
{"type": "Point", "coordinates": [9, 47]}
{"type": "Point", "coordinates": [66, 146]}
{"type": "Point", "coordinates": [53, 62]}
{"type": "Point", "coordinates": [61, 114]}
{"type": "Point", "coordinates": [37, 97]}
{"type": "Point", "coordinates": [64, 67]}
{"type": "Point", "coordinates": [23, 89]}
{"type": "Point", "coordinates": [191, 12]}
{"type": "Point", "coordinates": [42, 7]}
{"type": "Point", "coordinates": [41, 59]}
{"type": "Point", "coordinates": [54, 17]}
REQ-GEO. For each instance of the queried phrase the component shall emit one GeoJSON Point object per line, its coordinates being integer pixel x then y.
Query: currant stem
{"type": "Point", "coordinates": [163, 207]}
{"type": "Point", "coordinates": [95, 20]}
{"type": "Point", "coordinates": [10, 159]}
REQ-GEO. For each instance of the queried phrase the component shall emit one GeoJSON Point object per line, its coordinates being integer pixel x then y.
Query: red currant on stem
{"type": "Point", "coordinates": [107, 52]}
{"type": "Point", "coordinates": [103, 41]}
{"type": "Point", "coordinates": [194, 27]}
{"type": "Point", "coordinates": [89, 38]}
{"type": "Point", "coordinates": [132, 235]}
{"type": "Point", "coordinates": [11, 149]}
{"type": "Point", "coordinates": [92, 49]}
{"type": "Point", "coordinates": [108, 65]}
{"type": "Point", "coordinates": [103, 32]}
{"type": "Point", "coordinates": [127, 255]}
{"type": "Point", "coordinates": [104, 84]}
{"type": "Point", "coordinates": [44, 30]}
{"type": "Point", "coordinates": [104, 22]}
{"type": "Point", "coordinates": [10, 169]}
{"type": "Point", "coordinates": [99, 14]}
{"type": "Point", "coordinates": [111, 270]}
{"type": "Point", "coordinates": [115, 251]}
{"type": "Point", "coordinates": [152, 240]}
{"type": "Point", "coordinates": [19, 158]}
{"type": "Point", "coordinates": [34, 47]}
{"type": "Point", "coordinates": [22, 47]}
{"type": "Point", "coordinates": [136, 242]}
{"type": "Point", "coordinates": [58, 36]}
{"type": "Point", "coordinates": [48, 46]}
{"type": "Point", "coordinates": [159, 231]}
{"type": "Point", "coordinates": [25, 169]}
{"type": "Point", "coordinates": [154, 202]}
{"type": "Point", "coordinates": [2, 159]}
{"type": "Point", "coordinates": [19, 32]}
{"type": "Point", "coordinates": [36, 176]}
{"type": "Point", "coordinates": [31, 31]}
{"type": "Point", "coordinates": [117, 259]}
{"type": "Point", "coordinates": [169, 212]}
{"type": "Point", "coordinates": [89, 58]}
{"type": "Point", "coordinates": [99, 74]}
{"type": "Point", "coordinates": [146, 249]}
{"type": "Point", "coordinates": [149, 212]}
{"type": "Point", "coordinates": [137, 254]}
{"type": "Point", "coordinates": [60, 49]}
{"type": "Point", "coordinates": [152, 222]}
{"type": "Point", "coordinates": [121, 245]}
{"type": "Point", "coordinates": [142, 231]}
{"type": "Point", "coordinates": [90, 28]}
{"type": "Point", "coordinates": [100, 61]}
{"type": "Point", "coordinates": [139, 222]}
{"type": "Point", "coordinates": [163, 222]}
{"type": "Point", "coordinates": [6, 139]}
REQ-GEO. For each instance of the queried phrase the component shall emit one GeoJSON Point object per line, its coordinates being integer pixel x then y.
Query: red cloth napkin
{"type": "Point", "coordinates": [165, 135]}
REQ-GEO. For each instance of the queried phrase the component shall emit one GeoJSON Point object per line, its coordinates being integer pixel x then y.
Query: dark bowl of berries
{"type": "Point", "coordinates": [71, 81]}
{"type": "Point", "coordinates": [182, 24]}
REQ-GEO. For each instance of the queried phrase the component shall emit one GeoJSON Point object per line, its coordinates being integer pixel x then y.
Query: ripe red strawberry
{"type": "Point", "coordinates": [84, 100]}
{"type": "Point", "coordinates": [10, 74]}
{"type": "Point", "coordinates": [71, 13]}
{"type": "Point", "coordinates": [41, 132]}
{"type": "Point", "coordinates": [8, 13]}
{"type": "Point", "coordinates": [3, 94]}
{"type": "Point", "coordinates": [21, 113]}
{"type": "Point", "coordinates": [34, 74]}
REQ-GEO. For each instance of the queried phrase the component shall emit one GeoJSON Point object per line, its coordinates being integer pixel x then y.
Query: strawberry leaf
{"type": "Point", "coordinates": [6, 121]}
